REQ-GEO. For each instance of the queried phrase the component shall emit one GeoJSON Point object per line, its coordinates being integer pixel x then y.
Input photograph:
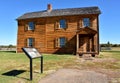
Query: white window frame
{"type": "Point", "coordinates": [31, 27]}
{"type": "Point", "coordinates": [62, 43]}
{"type": "Point", "coordinates": [30, 42]}
{"type": "Point", "coordinates": [60, 24]}
{"type": "Point", "coordinates": [58, 42]}
{"type": "Point", "coordinates": [86, 22]}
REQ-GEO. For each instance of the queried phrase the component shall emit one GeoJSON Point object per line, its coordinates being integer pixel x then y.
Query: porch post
{"type": "Point", "coordinates": [77, 44]}
{"type": "Point", "coordinates": [93, 44]}
{"type": "Point", "coordinates": [90, 44]}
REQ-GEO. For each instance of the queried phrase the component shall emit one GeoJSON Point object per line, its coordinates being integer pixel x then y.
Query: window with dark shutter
{"type": "Point", "coordinates": [62, 24]}
{"type": "Point", "coordinates": [86, 22]}
{"type": "Point", "coordinates": [30, 42]}
{"type": "Point", "coordinates": [60, 42]}
{"type": "Point", "coordinates": [31, 26]}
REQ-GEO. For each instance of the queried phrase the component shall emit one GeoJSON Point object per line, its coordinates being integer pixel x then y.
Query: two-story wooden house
{"type": "Point", "coordinates": [71, 30]}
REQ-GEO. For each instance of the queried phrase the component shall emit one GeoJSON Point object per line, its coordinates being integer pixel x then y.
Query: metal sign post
{"type": "Point", "coordinates": [33, 53]}
{"type": "Point", "coordinates": [41, 64]}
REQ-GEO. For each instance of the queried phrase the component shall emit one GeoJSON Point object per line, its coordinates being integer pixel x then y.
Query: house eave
{"type": "Point", "coordinates": [53, 16]}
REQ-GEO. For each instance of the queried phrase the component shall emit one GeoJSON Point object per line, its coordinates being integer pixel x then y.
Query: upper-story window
{"type": "Point", "coordinates": [86, 22]}
{"type": "Point", "coordinates": [62, 23]}
{"type": "Point", "coordinates": [31, 26]}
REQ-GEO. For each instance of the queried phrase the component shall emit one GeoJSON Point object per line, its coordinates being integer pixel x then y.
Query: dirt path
{"type": "Point", "coordinates": [74, 76]}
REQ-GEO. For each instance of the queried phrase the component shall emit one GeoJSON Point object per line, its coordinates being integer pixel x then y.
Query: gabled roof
{"type": "Point", "coordinates": [86, 30]}
{"type": "Point", "coordinates": [61, 12]}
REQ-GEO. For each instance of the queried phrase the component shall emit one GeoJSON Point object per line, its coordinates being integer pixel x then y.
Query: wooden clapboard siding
{"type": "Point", "coordinates": [38, 34]}
{"type": "Point", "coordinates": [45, 33]}
{"type": "Point", "coordinates": [52, 33]}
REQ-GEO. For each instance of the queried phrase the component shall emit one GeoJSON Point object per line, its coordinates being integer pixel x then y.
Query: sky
{"type": "Point", "coordinates": [109, 20]}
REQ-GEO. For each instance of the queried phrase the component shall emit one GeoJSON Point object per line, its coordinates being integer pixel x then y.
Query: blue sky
{"type": "Point", "coordinates": [11, 9]}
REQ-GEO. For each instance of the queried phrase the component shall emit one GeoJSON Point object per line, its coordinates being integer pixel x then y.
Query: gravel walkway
{"type": "Point", "coordinates": [74, 76]}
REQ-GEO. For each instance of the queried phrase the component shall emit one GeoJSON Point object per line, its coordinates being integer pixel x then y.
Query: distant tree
{"type": "Point", "coordinates": [118, 45]}
{"type": "Point", "coordinates": [103, 45]}
{"type": "Point", "coordinates": [0, 47]}
{"type": "Point", "coordinates": [108, 44]}
{"type": "Point", "coordinates": [10, 46]}
{"type": "Point", "coordinates": [114, 45]}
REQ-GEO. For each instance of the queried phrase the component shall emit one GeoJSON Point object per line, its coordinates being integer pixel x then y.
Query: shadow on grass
{"type": "Point", "coordinates": [9, 51]}
{"type": "Point", "coordinates": [15, 73]}
{"type": "Point", "coordinates": [111, 51]}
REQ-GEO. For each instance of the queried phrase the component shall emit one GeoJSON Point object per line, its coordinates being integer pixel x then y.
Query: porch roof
{"type": "Point", "coordinates": [86, 31]}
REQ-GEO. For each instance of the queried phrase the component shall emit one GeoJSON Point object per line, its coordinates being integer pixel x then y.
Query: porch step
{"type": "Point", "coordinates": [87, 57]}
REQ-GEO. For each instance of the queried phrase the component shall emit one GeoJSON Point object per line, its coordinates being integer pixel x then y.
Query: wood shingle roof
{"type": "Point", "coordinates": [61, 12]}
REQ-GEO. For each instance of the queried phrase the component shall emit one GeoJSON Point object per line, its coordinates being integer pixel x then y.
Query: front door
{"type": "Point", "coordinates": [87, 44]}
{"type": "Point", "coordinates": [84, 44]}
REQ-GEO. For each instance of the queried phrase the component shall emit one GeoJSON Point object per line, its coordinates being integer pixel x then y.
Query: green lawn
{"type": "Point", "coordinates": [10, 61]}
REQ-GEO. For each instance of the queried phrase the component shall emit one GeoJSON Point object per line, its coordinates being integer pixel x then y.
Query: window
{"type": "Point", "coordinates": [60, 42]}
{"type": "Point", "coordinates": [30, 42]}
{"type": "Point", "coordinates": [62, 23]}
{"type": "Point", "coordinates": [31, 26]}
{"type": "Point", "coordinates": [86, 22]}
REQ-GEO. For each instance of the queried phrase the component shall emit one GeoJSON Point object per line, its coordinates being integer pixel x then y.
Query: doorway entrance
{"type": "Point", "coordinates": [84, 44]}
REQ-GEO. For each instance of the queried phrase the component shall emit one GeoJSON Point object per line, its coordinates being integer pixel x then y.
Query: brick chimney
{"type": "Point", "coordinates": [49, 7]}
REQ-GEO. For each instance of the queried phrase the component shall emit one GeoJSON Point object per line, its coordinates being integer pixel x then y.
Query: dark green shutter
{"type": "Point", "coordinates": [33, 42]}
{"type": "Point", "coordinates": [26, 27]}
{"type": "Point", "coordinates": [57, 43]}
{"type": "Point", "coordinates": [56, 25]}
{"type": "Point", "coordinates": [25, 43]}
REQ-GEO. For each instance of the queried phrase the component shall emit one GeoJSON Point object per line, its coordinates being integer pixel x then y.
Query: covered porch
{"type": "Point", "coordinates": [85, 42]}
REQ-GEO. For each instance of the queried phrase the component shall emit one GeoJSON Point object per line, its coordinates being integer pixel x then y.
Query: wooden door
{"type": "Point", "coordinates": [84, 43]}
{"type": "Point", "coordinates": [81, 44]}
{"type": "Point", "coordinates": [87, 44]}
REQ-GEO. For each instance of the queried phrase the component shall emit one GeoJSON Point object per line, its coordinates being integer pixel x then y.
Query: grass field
{"type": "Point", "coordinates": [9, 61]}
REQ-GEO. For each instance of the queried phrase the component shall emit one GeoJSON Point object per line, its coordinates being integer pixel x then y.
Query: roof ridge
{"type": "Point", "coordinates": [63, 9]}
{"type": "Point", "coordinates": [81, 7]}
{"type": "Point", "coordinates": [61, 12]}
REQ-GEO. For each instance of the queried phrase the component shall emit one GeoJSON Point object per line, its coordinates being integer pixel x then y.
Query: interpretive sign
{"type": "Point", "coordinates": [33, 53]}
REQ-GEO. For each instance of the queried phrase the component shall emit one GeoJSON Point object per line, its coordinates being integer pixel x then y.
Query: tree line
{"type": "Point", "coordinates": [108, 44]}
{"type": "Point", "coordinates": [7, 46]}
